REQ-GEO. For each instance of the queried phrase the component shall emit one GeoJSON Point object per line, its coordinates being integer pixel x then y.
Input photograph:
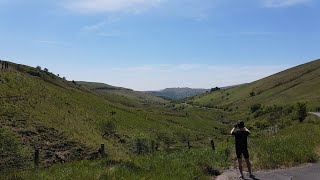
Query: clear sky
{"type": "Point", "coordinates": [154, 44]}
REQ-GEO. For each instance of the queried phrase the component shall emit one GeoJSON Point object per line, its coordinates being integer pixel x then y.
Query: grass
{"type": "Point", "coordinates": [293, 146]}
{"type": "Point", "coordinates": [39, 109]}
{"type": "Point", "coordinates": [123, 96]}
{"type": "Point", "coordinates": [201, 163]}
{"type": "Point", "coordinates": [288, 87]}
{"type": "Point", "coordinates": [45, 111]}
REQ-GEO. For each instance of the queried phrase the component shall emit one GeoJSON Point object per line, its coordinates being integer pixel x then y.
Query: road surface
{"type": "Point", "coordinates": [306, 172]}
{"type": "Point", "coordinates": [315, 113]}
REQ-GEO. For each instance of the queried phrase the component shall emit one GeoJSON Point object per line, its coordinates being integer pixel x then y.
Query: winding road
{"type": "Point", "coordinates": [309, 171]}
{"type": "Point", "coordinates": [315, 113]}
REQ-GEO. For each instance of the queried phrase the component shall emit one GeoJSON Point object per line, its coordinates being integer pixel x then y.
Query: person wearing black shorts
{"type": "Point", "coordinates": [241, 133]}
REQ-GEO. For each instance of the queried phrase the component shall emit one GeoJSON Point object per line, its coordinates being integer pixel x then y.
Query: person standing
{"type": "Point", "coordinates": [241, 134]}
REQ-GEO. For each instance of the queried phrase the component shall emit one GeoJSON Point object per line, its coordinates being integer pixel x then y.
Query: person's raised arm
{"type": "Point", "coordinates": [231, 132]}
{"type": "Point", "coordinates": [245, 128]}
{"type": "Point", "coordinates": [233, 129]}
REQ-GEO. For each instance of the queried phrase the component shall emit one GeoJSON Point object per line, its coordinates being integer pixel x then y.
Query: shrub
{"type": "Point", "coordinates": [214, 89]}
{"type": "Point", "coordinates": [34, 73]}
{"type": "Point", "coordinates": [107, 128]}
{"type": "Point", "coordinates": [140, 146]}
{"type": "Point", "coordinates": [255, 107]}
{"type": "Point", "coordinates": [301, 111]}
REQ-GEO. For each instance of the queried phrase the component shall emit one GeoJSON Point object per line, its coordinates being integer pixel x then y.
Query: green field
{"type": "Point", "coordinates": [67, 121]}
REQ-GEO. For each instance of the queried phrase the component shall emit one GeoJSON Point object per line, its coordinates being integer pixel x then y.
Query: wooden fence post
{"type": "Point", "coordinates": [189, 145]}
{"type": "Point", "coordinates": [152, 146]}
{"type": "Point", "coordinates": [102, 150]}
{"type": "Point", "coordinates": [36, 158]}
{"type": "Point", "coordinates": [212, 145]}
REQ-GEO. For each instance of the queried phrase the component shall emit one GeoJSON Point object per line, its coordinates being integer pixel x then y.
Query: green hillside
{"type": "Point", "coordinates": [301, 83]}
{"type": "Point", "coordinates": [124, 96]}
{"type": "Point", "coordinates": [67, 121]}
{"type": "Point", "coordinates": [147, 137]}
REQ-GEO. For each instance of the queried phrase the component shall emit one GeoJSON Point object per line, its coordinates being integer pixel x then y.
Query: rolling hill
{"type": "Point", "coordinates": [125, 96]}
{"type": "Point", "coordinates": [301, 83]}
{"type": "Point", "coordinates": [68, 121]}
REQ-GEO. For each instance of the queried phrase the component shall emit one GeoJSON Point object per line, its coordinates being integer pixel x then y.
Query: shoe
{"type": "Point", "coordinates": [252, 176]}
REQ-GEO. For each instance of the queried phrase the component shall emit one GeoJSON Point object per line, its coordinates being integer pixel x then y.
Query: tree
{"type": "Point", "coordinates": [214, 89]}
{"type": "Point", "coordinates": [38, 67]}
{"type": "Point", "coordinates": [46, 69]}
{"type": "Point", "coordinates": [301, 110]}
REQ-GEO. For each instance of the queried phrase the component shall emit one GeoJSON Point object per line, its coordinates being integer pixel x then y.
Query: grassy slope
{"type": "Point", "coordinates": [300, 83]}
{"type": "Point", "coordinates": [267, 151]}
{"type": "Point", "coordinates": [45, 111]}
{"type": "Point", "coordinates": [124, 96]}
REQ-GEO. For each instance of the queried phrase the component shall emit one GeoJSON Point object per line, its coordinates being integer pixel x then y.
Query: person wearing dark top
{"type": "Point", "coordinates": [240, 132]}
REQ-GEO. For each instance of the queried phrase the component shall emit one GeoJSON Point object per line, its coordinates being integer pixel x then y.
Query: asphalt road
{"type": "Point", "coordinates": [315, 113]}
{"type": "Point", "coordinates": [306, 172]}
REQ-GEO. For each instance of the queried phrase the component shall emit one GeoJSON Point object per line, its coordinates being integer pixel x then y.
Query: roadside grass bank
{"type": "Point", "coordinates": [292, 146]}
{"type": "Point", "coordinates": [187, 164]}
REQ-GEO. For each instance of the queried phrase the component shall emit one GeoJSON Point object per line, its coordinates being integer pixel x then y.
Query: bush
{"type": "Point", "coordinates": [214, 89]}
{"type": "Point", "coordinates": [255, 107]}
{"type": "Point", "coordinates": [107, 128]}
{"type": "Point", "coordinates": [34, 73]}
{"type": "Point", "coordinates": [12, 155]}
{"type": "Point", "coordinates": [140, 146]}
{"type": "Point", "coordinates": [301, 111]}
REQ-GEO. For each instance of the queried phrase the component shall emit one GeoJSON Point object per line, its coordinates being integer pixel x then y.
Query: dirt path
{"type": "Point", "coordinates": [306, 172]}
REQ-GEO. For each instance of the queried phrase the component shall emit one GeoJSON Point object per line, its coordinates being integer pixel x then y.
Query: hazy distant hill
{"type": "Point", "coordinates": [178, 93]}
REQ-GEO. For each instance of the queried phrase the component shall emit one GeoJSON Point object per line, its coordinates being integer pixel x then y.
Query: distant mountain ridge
{"type": "Point", "coordinates": [178, 93]}
{"type": "Point", "coordinates": [184, 92]}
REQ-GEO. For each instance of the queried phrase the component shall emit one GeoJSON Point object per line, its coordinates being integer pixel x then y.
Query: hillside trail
{"type": "Point", "coordinates": [310, 171]}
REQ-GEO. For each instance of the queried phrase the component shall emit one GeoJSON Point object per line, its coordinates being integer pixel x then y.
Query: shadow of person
{"type": "Point", "coordinates": [255, 178]}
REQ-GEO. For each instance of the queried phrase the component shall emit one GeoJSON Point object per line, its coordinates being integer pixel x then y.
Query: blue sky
{"type": "Point", "coordinates": [154, 44]}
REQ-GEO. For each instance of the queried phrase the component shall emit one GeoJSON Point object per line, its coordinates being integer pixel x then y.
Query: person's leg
{"type": "Point", "coordinates": [240, 166]}
{"type": "Point", "coordinates": [249, 166]}
{"type": "Point", "coordinates": [246, 156]}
